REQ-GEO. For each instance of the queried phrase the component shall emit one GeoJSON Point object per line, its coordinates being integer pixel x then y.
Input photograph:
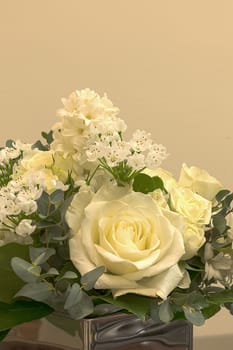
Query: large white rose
{"type": "Point", "coordinates": [199, 181]}
{"type": "Point", "coordinates": [138, 242]}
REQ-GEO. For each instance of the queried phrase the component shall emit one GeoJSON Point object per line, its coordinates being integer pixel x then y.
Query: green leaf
{"type": "Point", "coordinates": [145, 183]}
{"type": "Point", "coordinates": [26, 271]}
{"type": "Point", "coordinates": [10, 143]}
{"type": "Point", "coordinates": [138, 305]}
{"type": "Point", "coordinates": [165, 311]}
{"type": "Point", "coordinates": [38, 144]}
{"type": "Point", "coordinates": [3, 334]}
{"type": "Point", "coordinates": [210, 311]}
{"type": "Point", "coordinates": [227, 201]}
{"type": "Point", "coordinates": [89, 279]}
{"type": "Point", "coordinates": [48, 136]}
{"type": "Point", "coordinates": [20, 312]}
{"type": "Point", "coordinates": [194, 316]}
{"type": "Point", "coordinates": [39, 291]}
{"type": "Point", "coordinates": [11, 283]}
{"type": "Point", "coordinates": [226, 296]}
{"type": "Point", "coordinates": [221, 194]}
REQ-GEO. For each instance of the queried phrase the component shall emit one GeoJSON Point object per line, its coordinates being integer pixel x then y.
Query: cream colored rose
{"type": "Point", "coordinates": [50, 168]}
{"type": "Point", "coordinates": [199, 181]}
{"type": "Point", "coordinates": [194, 238]}
{"type": "Point", "coordinates": [129, 234]}
{"type": "Point", "coordinates": [193, 207]}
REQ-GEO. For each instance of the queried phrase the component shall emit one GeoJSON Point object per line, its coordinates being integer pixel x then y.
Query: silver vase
{"type": "Point", "coordinates": [112, 332]}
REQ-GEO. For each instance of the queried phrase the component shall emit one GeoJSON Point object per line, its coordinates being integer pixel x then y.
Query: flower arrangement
{"type": "Point", "coordinates": [91, 224]}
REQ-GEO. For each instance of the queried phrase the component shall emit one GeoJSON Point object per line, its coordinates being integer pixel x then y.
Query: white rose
{"type": "Point", "coordinates": [129, 234]}
{"type": "Point", "coordinates": [193, 207]}
{"type": "Point", "coordinates": [199, 181]}
{"type": "Point", "coordinates": [194, 238]}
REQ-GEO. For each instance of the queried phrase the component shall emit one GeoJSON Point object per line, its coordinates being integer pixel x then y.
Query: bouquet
{"type": "Point", "coordinates": [91, 224]}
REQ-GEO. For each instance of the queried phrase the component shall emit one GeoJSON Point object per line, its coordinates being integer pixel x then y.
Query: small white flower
{"type": "Point", "coordinates": [155, 156]}
{"type": "Point", "coordinates": [136, 160]}
{"type": "Point", "coordinates": [25, 228]}
{"type": "Point", "coordinates": [141, 141]}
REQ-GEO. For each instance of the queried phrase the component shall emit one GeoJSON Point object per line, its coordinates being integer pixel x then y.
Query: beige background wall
{"type": "Point", "coordinates": [167, 65]}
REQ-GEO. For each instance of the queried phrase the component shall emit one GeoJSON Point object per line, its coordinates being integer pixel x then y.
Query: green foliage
{"type": "Point", "coordinates": [138, 305]}
{"type": "Point", "coordinates": [20, 312]}
{"type": "Point", "coordinates": [44, 146]}
{"type": "Point", "coordinates": [12, 283]}
{"type": "Point", "coordinates": [145, 183]}
{"type": "Point", "coordinates": [78, 303]}
{"type": "Point", "coordinates": [89, 279]}
{"type": "Point", "coordinates": [165, 311]}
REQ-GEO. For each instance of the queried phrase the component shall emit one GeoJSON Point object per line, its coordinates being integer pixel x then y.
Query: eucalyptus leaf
{"type": "Point", "coordinates": [89, 279]}
{"type": "Point", "coordinates": [40, 255]}
{"type": "Point", "coordinates": [154, 312]}
{"type": "Point", "coordinates": [74, 296]}
{"type": "Point", "coordinates": [20, 312]}
{"type": "Point", "coordinates": [42, 258]}
{"type": "Point", "coordinates": [219, 223]}
{"type": "Point", "coordinates": [165, 311]}
{"type": "Point", "coordinates": [194, 316]}
{"type": "Point", "coordinates": [57, 196]}
{"type": "Point", "coordinates": [39, 291]}
{"type": "Point", "coordinates": [43, 204]}
{"type": "Point", "coordinates": [82, 308]}
{"type": "Point", "coordinates": [26, 271]}
{"type": "Point", "coordinates": [69, 275]}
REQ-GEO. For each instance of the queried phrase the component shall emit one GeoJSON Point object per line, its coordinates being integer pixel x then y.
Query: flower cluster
{"type": "Point", "coordinates": [90, 222]}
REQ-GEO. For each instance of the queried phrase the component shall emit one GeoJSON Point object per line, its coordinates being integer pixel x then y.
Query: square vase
{"type": "Point", "coordinates": [111, 332]}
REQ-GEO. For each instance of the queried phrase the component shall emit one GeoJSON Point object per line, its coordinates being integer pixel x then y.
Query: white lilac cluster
{"type": "Point", "coordinates": [81, 108]}
{"type": "Point", "coordinates": [90, 131]}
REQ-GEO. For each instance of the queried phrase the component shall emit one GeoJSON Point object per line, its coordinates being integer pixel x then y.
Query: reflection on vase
{"type": "Point", "coordinates": [112, 332]}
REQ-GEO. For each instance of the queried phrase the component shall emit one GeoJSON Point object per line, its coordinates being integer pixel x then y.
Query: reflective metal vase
{"type": "Point", "coordinates": [112, 332]}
